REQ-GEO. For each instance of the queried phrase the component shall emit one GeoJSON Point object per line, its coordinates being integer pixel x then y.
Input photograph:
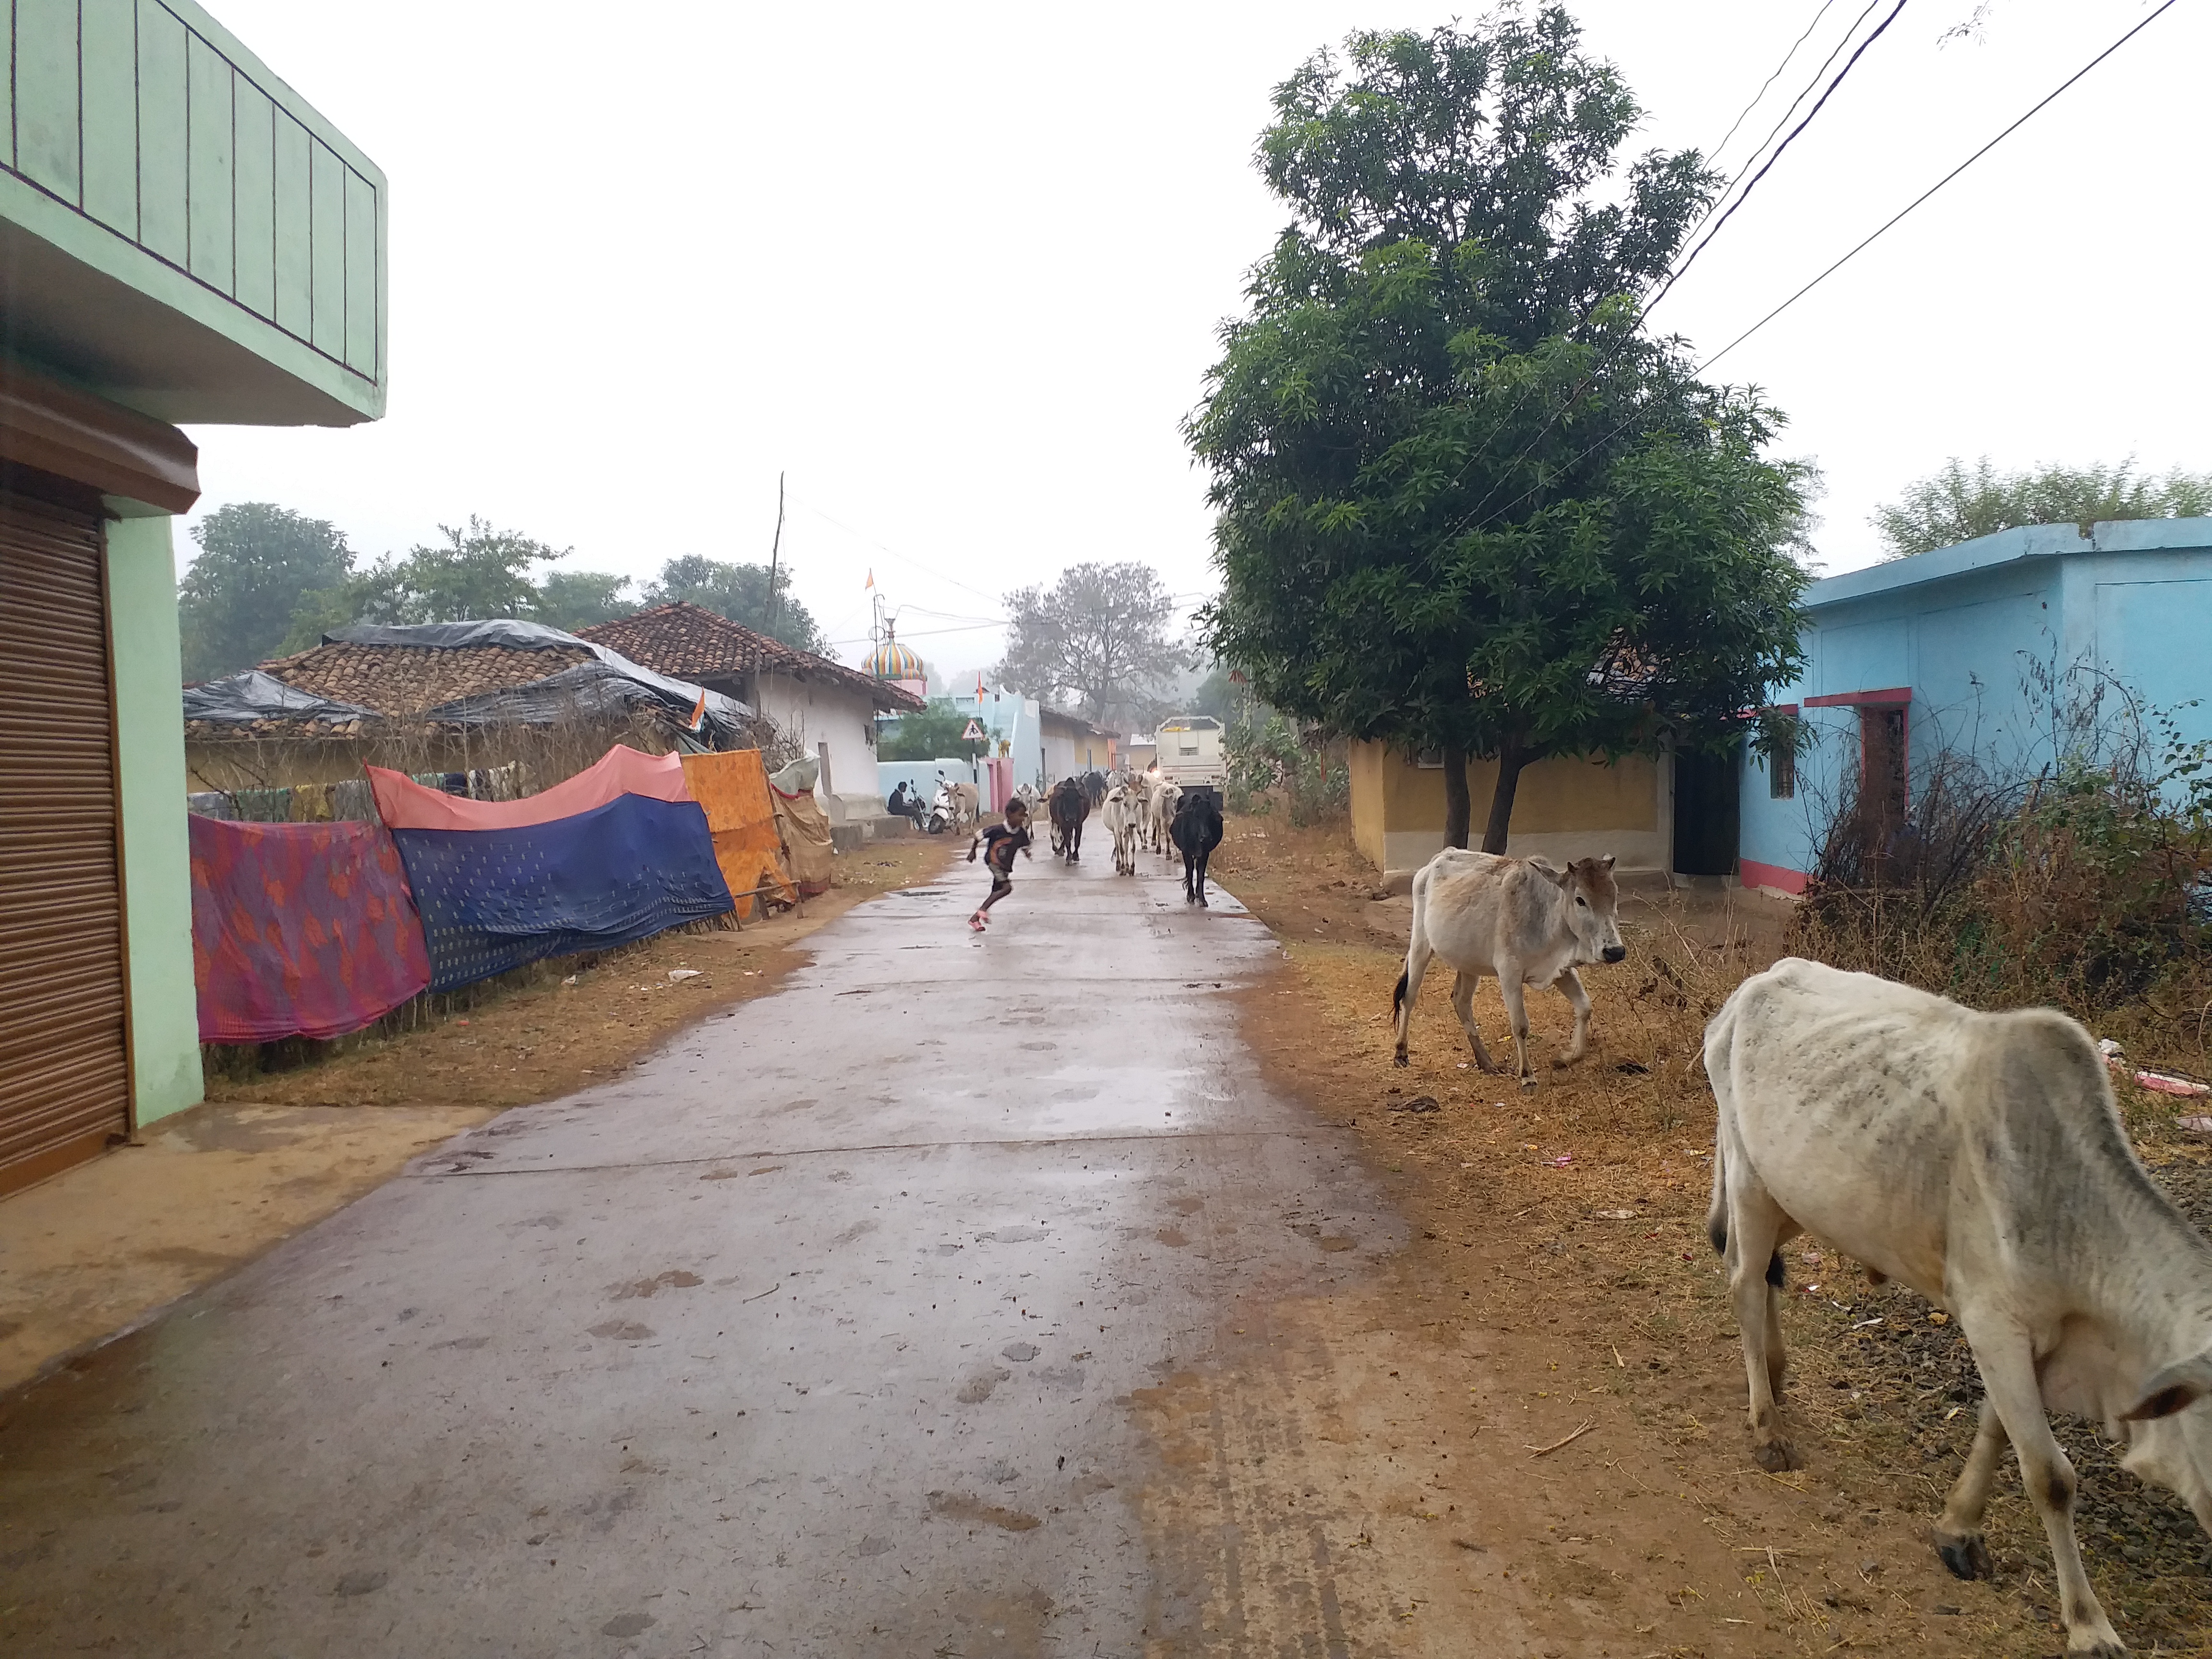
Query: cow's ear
{"type": "Point", "coordinates": [2175, 1389]}
{"type": "Point", "coordinates": [1608, 861]}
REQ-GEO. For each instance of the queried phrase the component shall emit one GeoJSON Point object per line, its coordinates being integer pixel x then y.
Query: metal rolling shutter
{"type": "Point", "coordinates": [64, 1075]}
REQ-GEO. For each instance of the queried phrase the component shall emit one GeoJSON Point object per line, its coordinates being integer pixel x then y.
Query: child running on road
{"type": "Point", "coordinates": [999, 844]}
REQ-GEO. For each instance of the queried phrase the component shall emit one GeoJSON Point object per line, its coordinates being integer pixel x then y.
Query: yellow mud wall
{"type": "Point", "coordinates": [1398, 807]}
{"type": "Point", "coordinates": [1366, 762]}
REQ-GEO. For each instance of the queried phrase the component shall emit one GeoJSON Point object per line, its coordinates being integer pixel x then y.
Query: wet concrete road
{"type": "Point", "coordinates": [816, 1333]}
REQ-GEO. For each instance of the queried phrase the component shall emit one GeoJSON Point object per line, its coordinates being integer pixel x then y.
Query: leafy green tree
{"type": "Point", "coordinates": [1099, 635]}
{"type": "Point", "coordinates": [255, 562]}
{"type": "Point", "coordinates": [740, 592]}
{"type": "Point", "coordinates": [1221, 695]}
{"type": "Point", "coordinates": [929, 733]}
{"type": "Point", "coordinates": [374, 592]}
{"type": "Point", "coordinates": [478, 574]}
{"type": "Point", "coordinates": [1464, 500]}
{"type": "Point", "coordinates": [570, 599]}
{"type": "Point", "coordinates": [1956, 504]}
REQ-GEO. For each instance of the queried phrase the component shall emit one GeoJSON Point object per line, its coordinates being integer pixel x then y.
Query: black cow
{"type": "Point", "coordinates": [1196, 832]}
{"type": "Point", "coordinates": [1068, 806]}
{"type": "Point", "coordinates": [1094, 785]}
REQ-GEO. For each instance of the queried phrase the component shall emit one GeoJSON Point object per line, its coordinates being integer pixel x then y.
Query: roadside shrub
{"type": "Point", "coordinates": [2075, 886]}
{"type": "Point", "coordinates": [1274, 759]}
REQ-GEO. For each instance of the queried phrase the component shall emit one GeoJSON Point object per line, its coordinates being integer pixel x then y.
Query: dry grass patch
{"type": "Point", "coordinates": [555, 1027]}
{"type": "Point", "coordinates": [1573, 1213]}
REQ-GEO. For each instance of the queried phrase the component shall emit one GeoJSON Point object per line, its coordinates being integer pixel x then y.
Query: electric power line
{"type": "Point", "coordinates": [924, 633]}
{"type": "Point", "coordinates": [1745, 194]}
{"type": "Point", "coordinates": [1644, 307]}
{"type": "Point", "coordinates": [906, 558]}
{"type": "Point", "coordinates": [1714, 153]}
{"type": "Point", "coordinates": [1883, 229]}
{"type": "Point", "coordinates": [1916, 201]}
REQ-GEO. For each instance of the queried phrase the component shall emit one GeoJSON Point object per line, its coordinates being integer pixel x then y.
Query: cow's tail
{"type": "Point", "coordinates": [1717, 1216]}
{"type": "Point", "coordinates": [1720, 1040]}
{"type": "Point", "coordinates": [1718, 1035]}
{"type": "Point", "coordinates": [1717, 1212]}
{"type": "Point", "coordinates": [1405, 985]}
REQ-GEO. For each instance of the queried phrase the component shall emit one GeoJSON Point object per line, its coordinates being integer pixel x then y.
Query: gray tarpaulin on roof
{"type": "Point", "coordinates": [254, 695]}
{"type": "Point", "coordinates": [587, 687]}
{"type": "Point", "coordinates": [725, 715]}
{"type": "Point", "coordinates": [455, 637]}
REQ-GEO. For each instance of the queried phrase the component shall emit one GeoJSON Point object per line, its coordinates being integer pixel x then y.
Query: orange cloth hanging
{"type": "Point", "coordinates": [732, 790]}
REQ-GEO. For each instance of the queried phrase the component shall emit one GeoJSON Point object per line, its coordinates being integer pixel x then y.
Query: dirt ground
{"type": "Point", "coordinates": [99, 1249]}
{"type": "Point", "coordinates": [1546, 1422]}
{"type": "Point", "coordinates": [553, 1030]}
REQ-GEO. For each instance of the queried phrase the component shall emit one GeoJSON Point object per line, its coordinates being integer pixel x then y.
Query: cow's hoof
{"type": "Point", "coordinates": [1775, 1456]}
{"type": "Point", "coordinates": [1202, 904]}
{"type": "Point", "coordinates": [1398, 1059]}
{"type": "Point", "coordinates": [1528, 1082]}
{"type": "Point", "coordinates": [1967, 1558]}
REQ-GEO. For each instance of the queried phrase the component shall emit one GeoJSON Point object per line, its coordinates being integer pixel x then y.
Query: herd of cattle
{"type": "Point", "coordinates": [1980, 1158]}
{"type": "Point", "coordinates": [1141, 812]}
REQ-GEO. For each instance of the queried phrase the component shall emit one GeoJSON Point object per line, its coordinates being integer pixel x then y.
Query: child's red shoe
{"type": "Point", "coordinates": [976, 922]}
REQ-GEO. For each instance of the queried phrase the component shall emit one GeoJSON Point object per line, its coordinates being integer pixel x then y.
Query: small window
{"type": "Point", "coordinates": [1781, 775]}
{"type": "Point", "coordinates": [1430, 760]}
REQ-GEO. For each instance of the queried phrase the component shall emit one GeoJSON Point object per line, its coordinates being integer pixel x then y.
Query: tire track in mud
{"type": "Point", "coordinates": [1244, 1536]}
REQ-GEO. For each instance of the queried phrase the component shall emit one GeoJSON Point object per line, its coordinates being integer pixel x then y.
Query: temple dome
{"type": "Point", "coordinates": [893, 661]}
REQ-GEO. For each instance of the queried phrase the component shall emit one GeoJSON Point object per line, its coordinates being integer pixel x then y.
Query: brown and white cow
{"type": "Point", "coordinates": [1978, 1158]}
{"type": "Point", "coordinates": [1520, 920]}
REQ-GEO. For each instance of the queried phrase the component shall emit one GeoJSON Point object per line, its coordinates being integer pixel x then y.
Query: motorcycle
{"type": "Point", "coordinates": [938, 818]}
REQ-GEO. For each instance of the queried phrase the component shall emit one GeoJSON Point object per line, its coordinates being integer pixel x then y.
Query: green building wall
{"type": "Point", "coordinates": [157, 884]}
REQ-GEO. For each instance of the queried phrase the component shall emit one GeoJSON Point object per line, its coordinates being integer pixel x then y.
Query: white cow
{"type": "Point", "coordinates": [1978, 1158]}
{"type": "Point", "coordinates": [1160, 814]}
{"type": "Point", "coordinates": [1520, 920]}
{"type": "Point", "coordinates": [1123, 816]}
{"type": "Point", "coordinates": [966, 811]}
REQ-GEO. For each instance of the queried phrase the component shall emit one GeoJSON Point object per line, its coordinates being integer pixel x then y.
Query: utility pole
{"type": "Point", "coordinates": [774, 552]}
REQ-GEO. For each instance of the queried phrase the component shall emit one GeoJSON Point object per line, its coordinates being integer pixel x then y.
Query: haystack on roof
{"type": "Point", "coordinates": [694, 642]}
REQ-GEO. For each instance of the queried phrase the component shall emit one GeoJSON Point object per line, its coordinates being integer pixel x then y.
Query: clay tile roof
{"type": "Point", "coordinates": [405, 679]}
{"type": "Point", "coordinates": [689, 642]}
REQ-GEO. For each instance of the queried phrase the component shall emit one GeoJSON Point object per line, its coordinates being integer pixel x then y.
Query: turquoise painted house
{"type": "Point", "coordinates": [1962, 648]}
{"type": "Point", "coordinates": [183, 238]}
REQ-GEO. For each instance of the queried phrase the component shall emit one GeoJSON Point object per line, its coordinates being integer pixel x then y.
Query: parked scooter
{"type": "Point", "coordinates": [940, 816]}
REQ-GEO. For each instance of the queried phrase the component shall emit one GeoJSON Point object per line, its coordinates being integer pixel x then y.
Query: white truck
{"type": "Point", "coordinates": [1188, 752]}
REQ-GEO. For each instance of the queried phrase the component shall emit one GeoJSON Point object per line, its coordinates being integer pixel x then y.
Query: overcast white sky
{"type": "Point", "coordinates": [957, 269]}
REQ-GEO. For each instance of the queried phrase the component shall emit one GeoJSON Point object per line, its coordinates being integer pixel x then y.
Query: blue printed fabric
{"type": "Point", "coordinates": [494, 899]}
